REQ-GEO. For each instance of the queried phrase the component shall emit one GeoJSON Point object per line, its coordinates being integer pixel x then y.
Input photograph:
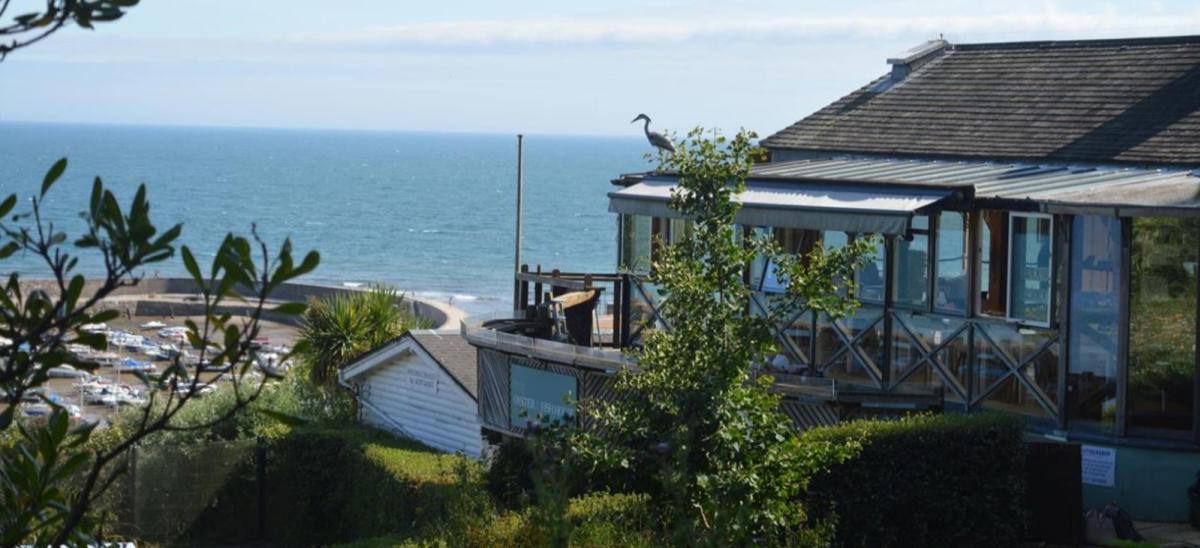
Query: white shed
{"type": "Point", "coordinates": [421, 386]}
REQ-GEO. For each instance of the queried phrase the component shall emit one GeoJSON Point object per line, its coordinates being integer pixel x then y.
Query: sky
{"type": "Point", "coordinates": [538, 67]}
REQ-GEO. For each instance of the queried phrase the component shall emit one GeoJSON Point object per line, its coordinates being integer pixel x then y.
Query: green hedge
{"type": "Point", "coordinates": [596, 519]}
{"type": "Point", "coordinates": [945, 480]}
{"type": "Point", "coordinates": [329, 485]}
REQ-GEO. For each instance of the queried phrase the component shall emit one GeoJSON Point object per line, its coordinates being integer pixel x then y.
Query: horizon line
{"type": "Point", "coordinates": [168, 125]}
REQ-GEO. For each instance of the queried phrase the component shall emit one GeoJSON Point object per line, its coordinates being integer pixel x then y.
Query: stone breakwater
{"type": "Point", "coordinates": [180, 297]}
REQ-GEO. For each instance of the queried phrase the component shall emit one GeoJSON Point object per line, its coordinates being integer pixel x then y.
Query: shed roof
{"type": "Point", "coordinates": [1128, 101]}
{"type": "Point", "coordinates": [454, 354]}
{"type": "Point", "coordinates": [448, 349]}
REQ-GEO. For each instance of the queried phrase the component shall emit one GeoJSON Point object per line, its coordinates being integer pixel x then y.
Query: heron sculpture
{"type": "Point", "coordinates": [657, 139]}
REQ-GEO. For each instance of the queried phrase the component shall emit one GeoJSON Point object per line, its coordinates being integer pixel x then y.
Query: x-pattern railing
{"type": "Point", "coordinates": [1017, 368]}
{"type": "Point", "coordinates": [931, 356]}
{"type": "Point", "coordinates": [652, 303]}
{"type": "Point", "coordinates": [851, 344]}
{"type": "Point", "coordinates": [789, 344]}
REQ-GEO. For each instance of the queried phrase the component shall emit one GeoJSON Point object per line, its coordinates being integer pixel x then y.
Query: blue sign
{"type": "Point", "coordinates": [537, 395]}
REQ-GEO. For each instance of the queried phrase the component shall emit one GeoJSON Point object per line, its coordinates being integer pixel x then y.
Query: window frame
{"type": "Point", "coordinates": [1008, 312]}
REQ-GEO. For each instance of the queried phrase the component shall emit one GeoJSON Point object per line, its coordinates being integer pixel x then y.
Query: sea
{"type": "Point", "coordinates": [430, 214]}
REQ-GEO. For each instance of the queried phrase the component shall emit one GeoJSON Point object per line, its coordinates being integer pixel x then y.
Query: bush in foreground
{"type": "Point", "coordinates": [944, 480]}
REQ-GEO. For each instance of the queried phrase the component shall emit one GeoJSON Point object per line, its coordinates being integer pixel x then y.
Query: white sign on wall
{"type": "Point", "coordinates": [425, 381]}
{"type": "Point", "coordinates": [1099, 465]}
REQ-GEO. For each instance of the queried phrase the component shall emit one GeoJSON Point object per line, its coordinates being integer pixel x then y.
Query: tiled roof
{"type": "Point", "coordinates": [1134, 100]}
{"type": "Point", "coordinates": [451, 350]}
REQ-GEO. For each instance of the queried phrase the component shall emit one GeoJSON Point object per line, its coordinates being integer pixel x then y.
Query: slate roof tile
{"type": "Point", "coordinates": [1128, 101]}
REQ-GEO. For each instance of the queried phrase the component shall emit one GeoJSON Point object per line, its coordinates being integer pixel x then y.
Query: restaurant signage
{"type": "Point", "coordinates": [538, 395]}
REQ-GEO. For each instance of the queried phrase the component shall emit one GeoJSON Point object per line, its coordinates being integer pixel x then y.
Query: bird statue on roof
{"type": "Point", "coordinates": [657, 139]}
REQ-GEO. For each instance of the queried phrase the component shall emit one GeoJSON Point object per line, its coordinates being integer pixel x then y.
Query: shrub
{"type": "Point", "coordinates": [337, 329]}
{"type": "Point", "coordinates": [945, 480]}
{"type": "Point", "coordinates": [507, 477]}
{"type": "Point", "coordinates": [328, 485]}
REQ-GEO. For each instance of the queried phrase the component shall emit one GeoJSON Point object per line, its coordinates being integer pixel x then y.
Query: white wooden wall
{"type": "Point", "coordinates": [418, 394]}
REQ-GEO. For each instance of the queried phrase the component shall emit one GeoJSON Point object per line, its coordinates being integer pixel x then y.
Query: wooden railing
{"type": "Point", "coordinates": [610, 320]}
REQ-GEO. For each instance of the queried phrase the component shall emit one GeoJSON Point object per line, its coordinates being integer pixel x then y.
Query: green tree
{"type": "Point", "coordinates": [30, 28]}
{"type": "Point", "coordinates": [337, 329]}
{"type": "Point", "coordinates": [50, 477]}
{"type": "Point", "coordinates": [693, 427]}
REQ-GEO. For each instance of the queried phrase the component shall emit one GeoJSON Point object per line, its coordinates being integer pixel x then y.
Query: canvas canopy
{"type": "Point", "coordinates": [796, 204]}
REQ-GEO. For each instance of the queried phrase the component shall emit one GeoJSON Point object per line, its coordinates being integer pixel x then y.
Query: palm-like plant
{"type": "Point", "coordinates": [337, 329]}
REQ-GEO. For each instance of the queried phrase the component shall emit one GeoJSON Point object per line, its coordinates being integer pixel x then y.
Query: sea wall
{"type": "Point", "coordinates": [157, 304]}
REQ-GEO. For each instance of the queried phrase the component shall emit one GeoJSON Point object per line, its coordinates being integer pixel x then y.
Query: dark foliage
{"type": "Point", "coordinates": [507, 478]}
{"type": "Point", "coordinates": [946, 480]}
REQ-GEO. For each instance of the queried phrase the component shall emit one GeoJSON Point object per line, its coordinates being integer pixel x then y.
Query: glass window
{"type": "Point", "coordinates": [660, 236]}
{"type": "Point", "coordinates": [950, 293]}
{"type": "Point", "coordinates": [679, 229]}
{"type": "Point", "coordinates": [870, 276]}
{"type": "Point", "coordinates": [635, 243]}
{"type": "Point", "coordinates": [1095, 320]}
{"type": "Point", "coordinates": [834, 240]}
{"type": "Point", "coordinates": [993, 263]}
{"type": "Point", "coordinates": [758, 267]}
{"type": "Point", "coordinates": [912, 267]}
{"type": "Point", "coordinates": [1031, 251]}
{"type": "Point", "coordinates": [1162, 330]}
{"type": "Point", "coordinates": [797, 241]}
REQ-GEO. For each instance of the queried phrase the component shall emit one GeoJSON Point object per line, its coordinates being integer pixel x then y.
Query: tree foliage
{"type": "Point", "coordinates": [337, 329]}
{"type": "Point", "coordinates": [26, 29]}
{"type": "Point", "coordinates": [51, 476]}
{"type": "Point", "coordinates": [693, 427]}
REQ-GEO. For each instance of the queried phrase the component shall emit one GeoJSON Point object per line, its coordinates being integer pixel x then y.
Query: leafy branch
{"type": "Point", "coordinates": [30, 28]}
{"type": "Point", "coordinates": [39, 321]}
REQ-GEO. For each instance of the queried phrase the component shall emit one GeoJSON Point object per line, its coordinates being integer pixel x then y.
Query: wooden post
{"type": "Point", "coordinates": [537, 288]}
{"type": "Point", "coordinates": [522, 291]}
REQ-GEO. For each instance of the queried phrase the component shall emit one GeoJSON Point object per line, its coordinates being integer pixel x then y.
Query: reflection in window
{"type": "Point", "coordinates": [678, 229]}
{"type": "Point", "coordinates": [635, 243]}
{"type": "Point", "coordinates": [950, 293]}
{"type": "Point", "coordinates": [1162, 336]}
{"type": "Point", "coordinates": [1095, 319]}
{"type": "Point", "coordinates": [834, 239]}
{"type": "Point", "coordinates": [993, 261]}
{"type": "Point", "coordinates": [797, 241]}
{"type": "Point", "coordinates": [870, 276]}
{"type": "Point", "coordinates": [1031, 251]}
{"type": "Point", "coordinates": [912, 266]}
{"type": "Point", "coordinates": [1036, 396]}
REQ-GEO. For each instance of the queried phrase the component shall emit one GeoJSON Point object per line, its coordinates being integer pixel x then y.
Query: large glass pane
{"type": "Point", "coordinates": [1029, 271]}
{"type": "Point", "coordinates": [679, 229]}
{"type": "Point", "coordinates": [999, 344]}
{"type": "Point", "coordinates": [635, 243]}
{"type": "Point", "coordinates": [1162, 337]}
{"type": "Point", "coordinates": [797, 241]}
{"type": "Point", "coordinates": [870, 276]}
{"type": "Point", "coordinates": [993, 263]}
{"type": "Point", "coordinates": [934, 334]}
{"type": "Point", "coordinates": [950, 293]}
{"type": "Point", "coordinates": [831, 239]}
{"type": "Point", "coordinates": [1095, 319]}
{"type": "Point", "coordinates": [912, 270]}
{"type": "Point", "coordinates": [758, 267]}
